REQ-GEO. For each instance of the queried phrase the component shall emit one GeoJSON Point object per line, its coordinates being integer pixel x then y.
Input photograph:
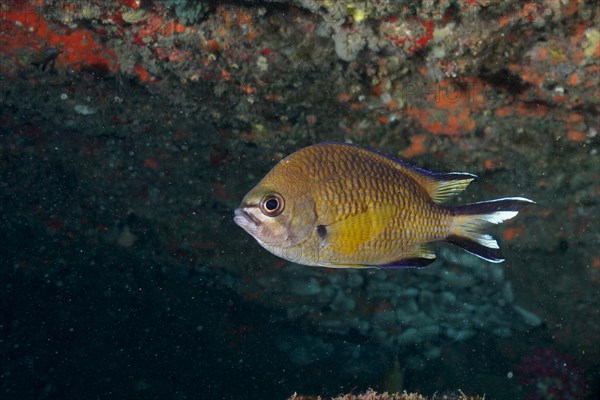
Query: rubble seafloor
{"type": "Point", "coordinates": [130, 130]}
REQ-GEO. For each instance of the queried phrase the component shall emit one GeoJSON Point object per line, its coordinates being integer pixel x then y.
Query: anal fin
{"type": "Point", "coordinates": [415, 262]}
{"type": "Point", "coordinates": [421, 258]}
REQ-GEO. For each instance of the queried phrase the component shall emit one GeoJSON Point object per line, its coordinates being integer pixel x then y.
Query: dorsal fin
{"type": "Point", "coordinates": [439, 186]}
{"type": "Point", "coordinates": [443, 186]}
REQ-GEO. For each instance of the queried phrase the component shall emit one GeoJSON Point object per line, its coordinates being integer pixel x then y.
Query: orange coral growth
{"type": "Point", "coordinates": [344, 97]}
{"type": "Point", "coordinates": [417, 146]}
{"type": "Point", "coordinates": [153, 25]}
{"type": "Point", "coordinates": [213, 46]}
{"type": "Point", "coordinates": [241, 18]}
{"type": "Point", "coordinates": [573, 80]}
{"type": "Point", "coordinates": [572, 7]}
{"type": "Point", "coordinates": [142, 73]}
{"type": "Point", "coordinates": [504, 20]}
{"type": "Point", "coordinates": [26, 29]}
{"type": "Point", "coordinates": [246, 89]}
{"type": "Point", "coordinates": [393, 105]}
{"type": "Point", "coordinates": [573, 118]}
{"type": "Point", "coordinates": [398, 34]}
{"type": "Point", "coordinates": [131, 3]}
{"type": "Point", "coordinates": [490, 164]}
{"type": "Point", "coordinates": [460, 123]}
{"type": "Point", "coordinates": [383, 120]}
{"type": "Point", "coordinates": [453, 123]}
{"type": "Point", "coordinates": [524, 109]}
{"type": "Point", "coordinates": [452, 104]}
{"type": "Point", "coordinates": [532, 110]}
{"type": "Point", "coordinates": [576, 136]}
{"type": "Point", "coordinates": [503, 111]}
{"type": "Point", "coordinates": [527, 73]}
{"type": "Point", "coordinates": [422, 41]}
{"type": "Point", "coordinates": [513, 232]}
{"type": "Point", "coordinates": [171, 28]}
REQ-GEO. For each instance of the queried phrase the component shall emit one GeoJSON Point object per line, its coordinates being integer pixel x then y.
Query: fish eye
{"type": "Point", "coordinates": [272, 205]}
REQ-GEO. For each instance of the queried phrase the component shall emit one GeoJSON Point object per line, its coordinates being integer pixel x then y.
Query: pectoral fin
{"type": "Point", "coordinates": [344, 237]}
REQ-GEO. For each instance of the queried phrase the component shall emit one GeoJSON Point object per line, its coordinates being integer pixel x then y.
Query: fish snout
{"type": "Point", "coordinates": [245, 219]}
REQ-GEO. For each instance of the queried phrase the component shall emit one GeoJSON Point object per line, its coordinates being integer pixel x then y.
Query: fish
{"type": "Point", "coordinates": [339, 205]}
{"type": "Point", "coordinates": [46, 58]}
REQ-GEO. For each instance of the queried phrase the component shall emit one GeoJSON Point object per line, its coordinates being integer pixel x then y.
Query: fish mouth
{"type": "Point", "coordinates": [245, 219]}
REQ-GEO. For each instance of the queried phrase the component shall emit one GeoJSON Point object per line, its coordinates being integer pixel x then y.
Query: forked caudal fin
{"type": "Point", "coordinates": [471, 219]}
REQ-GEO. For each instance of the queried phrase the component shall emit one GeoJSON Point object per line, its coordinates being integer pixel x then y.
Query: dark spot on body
{"type": "Point", "coordinates": [321, 231]}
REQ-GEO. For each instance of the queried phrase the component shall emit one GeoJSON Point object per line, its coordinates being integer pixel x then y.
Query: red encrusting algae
{"type": "Point", "coordinates": [24, 28]}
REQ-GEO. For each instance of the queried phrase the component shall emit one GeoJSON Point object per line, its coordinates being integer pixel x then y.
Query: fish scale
{"type": "Point", "coordinates": [366, 182]}
{"type": "Point", "coordinates": [390, 188]}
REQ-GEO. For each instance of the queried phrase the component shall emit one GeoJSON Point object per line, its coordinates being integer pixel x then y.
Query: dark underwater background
{"type": "Point", "coordinates": [130, 130]}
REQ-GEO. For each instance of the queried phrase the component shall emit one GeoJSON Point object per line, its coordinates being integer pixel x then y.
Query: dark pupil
{"type": "Point", "coordinates": [271, 204]}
